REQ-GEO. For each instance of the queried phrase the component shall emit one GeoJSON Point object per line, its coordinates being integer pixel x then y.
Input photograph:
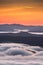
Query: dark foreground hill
{"type": "Point", "coordinates": [22, 37]}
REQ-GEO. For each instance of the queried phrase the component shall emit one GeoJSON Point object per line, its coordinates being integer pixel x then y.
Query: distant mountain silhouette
{"type": "Point", "coordinates": [11, 27]}
{"type": "Point", "coordinates": [22, 37]}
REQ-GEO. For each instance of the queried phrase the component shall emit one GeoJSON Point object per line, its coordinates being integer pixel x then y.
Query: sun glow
{"type": "Point", "coordinates": [21, 15]}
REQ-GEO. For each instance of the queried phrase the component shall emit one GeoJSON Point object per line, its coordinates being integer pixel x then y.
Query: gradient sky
{"type": "Point", "coordinates": [26, 12]}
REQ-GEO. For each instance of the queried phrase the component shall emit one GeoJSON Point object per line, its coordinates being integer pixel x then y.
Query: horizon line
{"type": "Point", "coordinates": [19, 24]}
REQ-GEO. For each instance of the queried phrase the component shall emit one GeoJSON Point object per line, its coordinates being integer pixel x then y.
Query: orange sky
{"type": "Point", "coordinates": [26, 15]}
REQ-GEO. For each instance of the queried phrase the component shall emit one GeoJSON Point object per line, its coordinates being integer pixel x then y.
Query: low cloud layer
{"type": "Point", "coordinates": [20, 54]}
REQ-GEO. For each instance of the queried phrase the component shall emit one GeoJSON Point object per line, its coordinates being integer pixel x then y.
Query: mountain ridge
{"type": "Point", "coordinates": [11, 27]}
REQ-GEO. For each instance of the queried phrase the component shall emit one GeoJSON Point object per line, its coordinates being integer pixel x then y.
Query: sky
{"type": "Point", "coordinates": [26, 12]}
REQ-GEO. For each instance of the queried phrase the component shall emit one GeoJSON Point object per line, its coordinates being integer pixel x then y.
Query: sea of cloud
{"type": "Point", "coordinates": [20, 54]}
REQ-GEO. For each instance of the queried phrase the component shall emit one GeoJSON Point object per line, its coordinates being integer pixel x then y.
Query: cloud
{"type": "Point", "coordinates": [6, 2]}
{"type": "Point", "coordinates": [19, 54]}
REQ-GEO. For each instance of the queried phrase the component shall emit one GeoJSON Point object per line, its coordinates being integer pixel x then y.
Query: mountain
{"type": "Point", "coordinates": [22, 37]}
{"type": "Point", "coordinates": [12, 27]}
